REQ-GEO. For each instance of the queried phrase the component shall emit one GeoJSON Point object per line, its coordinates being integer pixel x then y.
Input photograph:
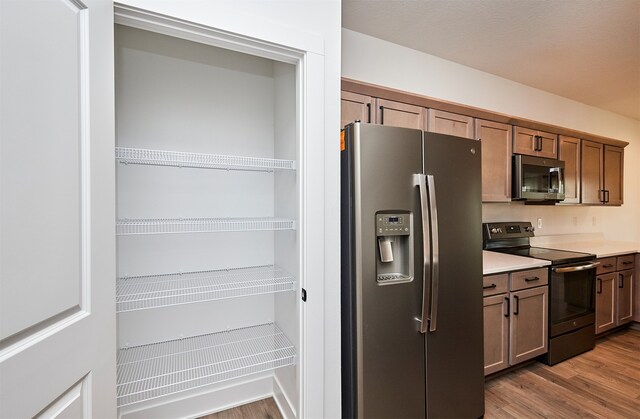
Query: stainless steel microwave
{"type": "Point", "coordinates": [537, 178]}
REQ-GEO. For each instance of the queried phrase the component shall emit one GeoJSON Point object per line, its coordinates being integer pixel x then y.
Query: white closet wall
{"type": "Point", "coordinates": [179, 96]}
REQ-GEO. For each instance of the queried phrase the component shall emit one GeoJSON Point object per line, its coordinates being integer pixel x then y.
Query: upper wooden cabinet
{"type": "Point", "coordinates": [449, 123]}
{"type": "Point", "coordinates": [602, 171]}
{"type": "Point", "coordinates": [399, 114]}
{"type": "Point", "coordinates": [569, 152]}
{"type": "Point", "coordinates": [535, 143]}
{"type": "Point", "coordinates": [496, 160]}
{"type": "Point", "coordinates": [355, 107]}
{"type": "Point", "coordinates": [613, 174]}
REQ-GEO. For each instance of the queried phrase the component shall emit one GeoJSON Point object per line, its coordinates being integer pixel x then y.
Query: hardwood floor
{"type": "Point", "coordinates": [602, 383]}
{"type": "Point", "coordinates": [262, 409]}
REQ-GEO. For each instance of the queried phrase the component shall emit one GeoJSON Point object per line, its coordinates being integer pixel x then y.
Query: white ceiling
{"type": "Point", "coordinates": [585, 50]}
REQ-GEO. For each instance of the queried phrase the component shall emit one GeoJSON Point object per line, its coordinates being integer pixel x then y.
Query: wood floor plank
{"type": "Point", "coordinates": [602, 383]}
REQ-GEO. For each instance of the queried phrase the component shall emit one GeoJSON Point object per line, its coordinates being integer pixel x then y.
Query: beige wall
{"type": "Point", "coordinates": [383, 63]}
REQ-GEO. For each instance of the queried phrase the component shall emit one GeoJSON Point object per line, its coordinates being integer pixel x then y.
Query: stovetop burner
{"type": "Point", "coordinates": [513, 238]}
{"type": "Point", "coordinates": [556, 257]}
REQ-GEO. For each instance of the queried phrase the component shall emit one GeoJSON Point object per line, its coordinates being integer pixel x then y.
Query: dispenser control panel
{"type": "Point", "coordinates": [392, 225]}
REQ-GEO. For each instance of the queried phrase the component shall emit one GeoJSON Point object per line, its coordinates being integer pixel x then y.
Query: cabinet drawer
{"type": "Point", "coordinates": [606, 265]}
{"type": "Point", "coordinates": [626, 262]}
{"type": "Point", "coordinates": [529, 279]}
{"type": "Point", "coordinates": [495, 284]}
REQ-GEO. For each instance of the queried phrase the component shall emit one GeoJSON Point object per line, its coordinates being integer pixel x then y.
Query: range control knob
{"type": "Point", "coordinates": [529, 229]}
{"type": "Point", "coordinates": [496, 230]}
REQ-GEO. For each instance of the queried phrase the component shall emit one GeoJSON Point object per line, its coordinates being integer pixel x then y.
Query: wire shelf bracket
{"type": "Point", "coordinates": [155, 291]}
{"type": "Point", "coordinates": [200, 160]}
{"type": "Point", "coordinates": [150, 371]}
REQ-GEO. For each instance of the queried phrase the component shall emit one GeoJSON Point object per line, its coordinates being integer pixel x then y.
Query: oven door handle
{"type": "Point", "coordinates": [576, 268]}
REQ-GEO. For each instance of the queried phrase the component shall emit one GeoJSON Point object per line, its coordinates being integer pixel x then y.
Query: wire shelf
{"type": "Point", "coordinates": [200, 160]}
{"type": "Point", "coordinates": [150, 371]}
{"type": "Point", "coordinates": [200, 225]}
{"type": "Point", "coordinates": [154, 291]}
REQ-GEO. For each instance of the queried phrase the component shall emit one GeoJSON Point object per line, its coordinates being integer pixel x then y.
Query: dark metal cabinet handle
{"type": "Point", "coordinates": [381, 115]}
{"type": "Point", "coordinates": [627, 262]}
{"type": "Point", "coordinates": [488, 287]}
{"type": "Point", "coordinates": [599, 286]}
{"type": "Point", "coordinates": [601, 194]}
{"type": "Point", "coordinates": [620, 281]}
{"type": "Point", "coordinates": [506, 314]}
{"type": "Point", "coordinates": [531, 279]}
{"type": "Point", "coordinates": [368, 112]}
{"type": "Point", "coordinates": [516, 309]}
{"type": "Point", "coordinates": [608, 265]}
{"type": "Point", "coordinates": [606, 196]}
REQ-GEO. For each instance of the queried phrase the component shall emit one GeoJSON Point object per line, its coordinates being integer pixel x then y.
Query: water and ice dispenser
{"type": "Point", "coordinates": [394, 261]}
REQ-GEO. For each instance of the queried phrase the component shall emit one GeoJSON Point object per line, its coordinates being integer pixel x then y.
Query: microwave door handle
{"type": "Point", "coordinates": [435, 262]}
{"type": "Point", "coordinates": [421, 181]}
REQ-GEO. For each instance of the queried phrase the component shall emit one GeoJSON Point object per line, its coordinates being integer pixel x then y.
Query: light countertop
{"type": "Point", "coordinates": [494, 262]}
{"type": "Point", "coordinates": [601, 248]}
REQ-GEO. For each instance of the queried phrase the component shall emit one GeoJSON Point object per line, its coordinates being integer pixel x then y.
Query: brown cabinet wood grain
{"type": "Point", "coordinates": [605, 302]}
{"type": "Point", "coordinates": [535, 143]}
{"type": "Point", "coordinates": [591, 172]}
{"type": "Point", "coordinates": [602, 170]}
{"type": "Point", "coordinates": [496, 160]}
{"type": "Point", "coordinates": [449, 123]}
{"type": "Point", "coordinates": [528, 324]}
{"type": "Point", "coordinates": [399, 114]}
{"type": "Point", "coordinates": [624, 297]}
{"type": "Point", "coordinates": [613, 174]}
{"type": "Point", "coordinates": [515, 322]}
{"type": "Point", "coordinates": [496, 333]}
{"type": "Point", "coordinates": [615, 285]}
{"type": "Point", "coordinates": [569, 152]}
{"type": "Point", "coordinates": [355, 107]}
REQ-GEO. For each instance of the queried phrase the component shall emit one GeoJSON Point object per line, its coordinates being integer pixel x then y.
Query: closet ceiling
{"type": "Point", "coordinates": [585, 50]}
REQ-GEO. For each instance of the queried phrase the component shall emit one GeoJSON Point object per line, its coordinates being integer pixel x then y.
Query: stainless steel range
{"type": "Point", "coordinates": [572, 279]}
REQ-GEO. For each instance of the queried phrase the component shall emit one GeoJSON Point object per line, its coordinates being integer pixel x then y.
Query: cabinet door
{"type": "Point", "coordinates": [528, 325]}
{"type": "Point", "coordinates": [449, 123]}
{"type": "Point", "coordinates": [57, 210]}
{"type": "Point", "coordinates": [591, 172]}
{"type": "Point", "coordinates": [398, 114]}
{"type": "Point", "coordinates": [496, 160]}
{"type": "Point", "coordinates": [624, 297]}
{"type": "Point", "coordinates": [535, 143]}
{"type": "Point", "coordinates": [548, 145]}
{"type": "Point", "coordinates": [524, 141]}
{"type": "Point", "coordinates": [613, 174]}
{"type": "Point", "coordinates": [605, 302]}
{"type": "Point", "coordinates": [355, 107]}
{"type": "Point", "coordinates": [496, 333]}
{"type": "Point", "coordinates": [570, 154]}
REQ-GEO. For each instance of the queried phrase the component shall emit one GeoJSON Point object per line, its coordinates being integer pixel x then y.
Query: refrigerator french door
{"type": "Point", "coordinates": [412, 332]}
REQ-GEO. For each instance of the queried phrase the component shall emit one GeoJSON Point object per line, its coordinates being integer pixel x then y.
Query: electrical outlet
{"type": "Point", "coordinates": [593, 221]}
{"type": "Point", "coordinates": [575, 221]}
{"type": "Point", "coordinates": [539, 223]}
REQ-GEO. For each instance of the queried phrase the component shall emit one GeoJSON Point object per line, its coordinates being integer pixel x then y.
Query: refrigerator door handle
{"type": "Point", "coordinates": [421, 181]}
{"type": "Point", "coordinates": [433, 215]}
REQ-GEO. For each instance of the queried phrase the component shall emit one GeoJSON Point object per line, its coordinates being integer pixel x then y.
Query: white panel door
{"type": "Point", "coordinates": [57, 245]}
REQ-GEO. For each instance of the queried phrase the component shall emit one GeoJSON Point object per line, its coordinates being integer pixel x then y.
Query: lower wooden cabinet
{"type": "Point", "coordinates": [496, 333]}
{"type": "Point", "coordinates": [614, 292]}
{"type": "Point", "coordinates": [515, 318]}
{"type": "Point", "coordinates": [605, 302]}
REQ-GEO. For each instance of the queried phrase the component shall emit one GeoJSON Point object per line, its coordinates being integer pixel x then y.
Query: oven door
{"type": "Point", "coordinates": [572, 297]}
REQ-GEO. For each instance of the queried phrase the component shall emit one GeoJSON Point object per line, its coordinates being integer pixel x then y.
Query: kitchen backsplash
{"type": "Point", "coordinates": [565, 219]}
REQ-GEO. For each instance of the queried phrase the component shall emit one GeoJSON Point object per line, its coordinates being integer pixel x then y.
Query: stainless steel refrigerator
{"type": "Point", "coordinates": [412, 329]}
